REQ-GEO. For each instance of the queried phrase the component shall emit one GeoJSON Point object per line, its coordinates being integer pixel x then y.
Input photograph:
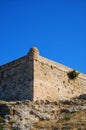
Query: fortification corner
{"type": "Point", "coordinates": [34, 77]}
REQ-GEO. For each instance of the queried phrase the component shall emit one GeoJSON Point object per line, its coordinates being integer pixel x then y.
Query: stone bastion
{"type": "Point", "coordinates": [34, 77]}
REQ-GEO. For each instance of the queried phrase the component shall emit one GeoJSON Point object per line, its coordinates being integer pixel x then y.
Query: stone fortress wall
{"type": "Point", "coordinates": [53, 83]}
{"type": "Point", "coordinates": [34, 77]}
{"type": "Point", "coordinates": [16, 80]}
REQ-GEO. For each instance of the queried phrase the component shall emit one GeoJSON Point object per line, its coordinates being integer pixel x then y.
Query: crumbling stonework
{"type": "Point", "coordinates": [34, 77]}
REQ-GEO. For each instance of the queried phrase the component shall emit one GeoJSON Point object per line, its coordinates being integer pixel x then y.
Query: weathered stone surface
{"type": "Point", "coordinates": [23, 115]}
{"type": "Point", "coordinates": [36, 78]}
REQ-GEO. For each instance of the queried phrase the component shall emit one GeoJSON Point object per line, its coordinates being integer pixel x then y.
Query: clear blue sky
{"type": "Point", "coordinates": [56, 27]}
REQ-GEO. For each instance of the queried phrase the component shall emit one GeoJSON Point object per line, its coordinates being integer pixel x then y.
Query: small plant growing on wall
{"type": "Point", "coordinates": [73, 74]}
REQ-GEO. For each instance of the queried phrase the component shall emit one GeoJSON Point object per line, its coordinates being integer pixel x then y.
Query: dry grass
{"type": "Point", "coordinates": [75, 121]}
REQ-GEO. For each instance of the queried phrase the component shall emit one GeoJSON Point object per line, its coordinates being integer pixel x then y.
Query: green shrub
{"type": "Point", "coordinates": [66, 117]}
{"type": "Point", "coordinates": [14, 129]}
{"type": "Point", "coordinates": [1, 127]}
{"type": "Point", "coordinates": [1, 119]}
{"type": "Point", "coordinates": [55, 103]}
{"type": "Point", "coordinates": [12, 122]}
{"type": "Point", "coordinates": [73, 74]}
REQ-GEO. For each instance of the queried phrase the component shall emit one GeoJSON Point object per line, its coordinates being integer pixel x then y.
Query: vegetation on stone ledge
{"type": "Point", "coordinates": [73, 74]}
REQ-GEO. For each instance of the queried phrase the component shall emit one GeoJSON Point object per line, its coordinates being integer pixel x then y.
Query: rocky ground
{"type": "Point", "coordinates": [44, 115]}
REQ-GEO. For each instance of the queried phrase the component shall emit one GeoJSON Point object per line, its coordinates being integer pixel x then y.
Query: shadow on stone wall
{"type": "Point", "coordinates": [16, 80]}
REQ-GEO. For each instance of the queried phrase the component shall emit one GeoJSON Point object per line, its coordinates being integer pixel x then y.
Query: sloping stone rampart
{"type": "Point", "coordinates": [34, 77]}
